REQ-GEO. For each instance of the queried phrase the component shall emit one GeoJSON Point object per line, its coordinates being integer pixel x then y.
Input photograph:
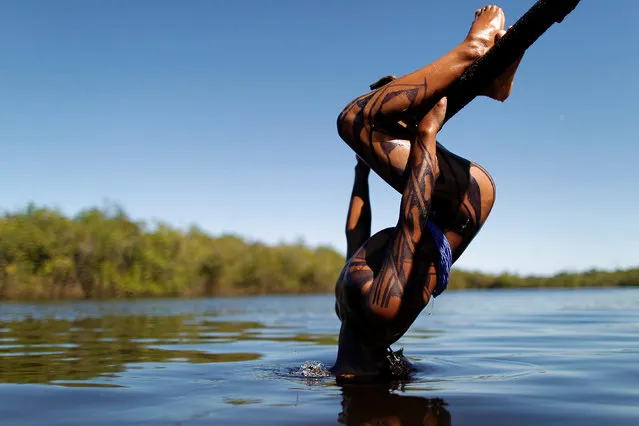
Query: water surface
{"type": "Point", "coordinates": [524, 357]}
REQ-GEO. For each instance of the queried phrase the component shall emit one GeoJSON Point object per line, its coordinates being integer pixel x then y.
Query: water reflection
{"type": "Point", "coordinates": [376, 405]}
{"type": "Point", "coordinates": [59, 351]}
{"type": "Point", "coordinates": [495, 356]}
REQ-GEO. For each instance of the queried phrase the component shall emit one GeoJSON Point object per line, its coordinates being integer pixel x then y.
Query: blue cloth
{"type": "Point", "coordinates": [445, 258]}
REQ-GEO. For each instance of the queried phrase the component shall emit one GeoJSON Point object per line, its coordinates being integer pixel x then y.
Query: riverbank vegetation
{"type": "Point", "coordinates": [103, 253]}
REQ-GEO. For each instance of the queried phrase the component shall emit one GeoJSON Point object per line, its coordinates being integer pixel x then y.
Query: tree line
{"type": "Point", "coordinates": [104, 253]}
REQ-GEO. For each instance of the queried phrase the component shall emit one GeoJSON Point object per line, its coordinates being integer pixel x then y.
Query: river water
{"type": "Point", "coordinates": [524, 357]}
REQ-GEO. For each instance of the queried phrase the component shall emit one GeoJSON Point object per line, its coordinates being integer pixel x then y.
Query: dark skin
{"type": "Point", "coordinates": [389, 277]}
{"type": "Point", "coordinates": [358, 222]}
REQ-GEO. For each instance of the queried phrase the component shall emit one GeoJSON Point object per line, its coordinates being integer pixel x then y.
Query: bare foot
{"type": "Point", "coordinates": [432, 122]}
{"type": "Point", "coordinates": [502, 86]}
{"type": "Point", "coordinates": [486, 28]}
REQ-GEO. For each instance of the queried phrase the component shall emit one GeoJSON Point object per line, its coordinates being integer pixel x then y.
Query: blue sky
{"type": "Point", "coordinates": [223, 114]}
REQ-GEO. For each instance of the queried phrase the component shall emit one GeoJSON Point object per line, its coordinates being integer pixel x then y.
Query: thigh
{"type": "Point", "coordinates": [463, 198]}
{"type": "Point", "coordinates": [464, 193]}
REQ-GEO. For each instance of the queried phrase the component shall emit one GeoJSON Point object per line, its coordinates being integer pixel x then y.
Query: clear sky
{"type": "Point", "coordinates": [222, 114]}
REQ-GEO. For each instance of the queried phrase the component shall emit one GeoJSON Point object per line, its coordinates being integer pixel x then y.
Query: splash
{"type": "Point", "coordinates": [399, 368]}
{"type": "Point", "coordinates": [312, 370]}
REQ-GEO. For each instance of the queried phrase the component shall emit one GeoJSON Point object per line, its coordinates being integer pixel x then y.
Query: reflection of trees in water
{"type": "Point", "coordinates": [51, 350]}
{"type": "Point", "coordinates": [376, 405]}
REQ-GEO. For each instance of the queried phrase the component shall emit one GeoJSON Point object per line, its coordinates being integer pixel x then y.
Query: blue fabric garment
{"type": "Point", "coordinates": [445, 258]}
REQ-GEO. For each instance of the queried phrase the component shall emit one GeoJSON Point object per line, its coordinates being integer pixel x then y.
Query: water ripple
{"type": "Point", "coordinates": [507, 357]}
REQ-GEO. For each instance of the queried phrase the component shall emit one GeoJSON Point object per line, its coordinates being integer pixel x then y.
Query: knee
{"type": "Point", "coordinates": [352, 119]}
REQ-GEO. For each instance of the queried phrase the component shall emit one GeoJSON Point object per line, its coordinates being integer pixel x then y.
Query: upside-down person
{"type": "Point", "coordinates": [390, 277]}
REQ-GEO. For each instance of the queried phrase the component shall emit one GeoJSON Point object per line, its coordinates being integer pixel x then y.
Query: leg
{"type": "Point", "coordinates": [375, 124]}
{"type": "Point", "coordinates": [358, 221]}
{"type": "Point", "coordinates": [375, 116]}
{"type": "Point", "coordinates": [464, 197]}
{"type": "Point", "coordinates": [383, 287]}
{"type": "Point", "coordinates": [465, 193]}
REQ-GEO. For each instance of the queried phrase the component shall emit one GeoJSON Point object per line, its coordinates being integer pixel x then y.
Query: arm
{"type": "Point", "coordinates": [358, 221]}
